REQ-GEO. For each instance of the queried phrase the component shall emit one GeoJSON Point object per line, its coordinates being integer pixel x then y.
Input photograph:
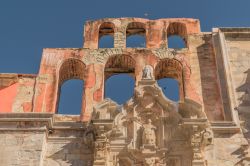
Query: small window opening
{"type": "Point", "coordinates": [168, 73]}
{"type": "Point", "coordinates": [119, 78]}
{"type": "Point", "coordinates": [70, 84]}
{"type": "Point", "coordinates": [177, 34]}
{"type": "Point", "coordinates": [106, 35]}
{"type": "Point", "coordinates": [71, 93]}
{"type": "Point", "coordinates": [136, 35]}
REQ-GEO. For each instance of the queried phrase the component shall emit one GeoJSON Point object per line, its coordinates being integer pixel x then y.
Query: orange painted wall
{"type": "Point", "coordinates": [7, 97]}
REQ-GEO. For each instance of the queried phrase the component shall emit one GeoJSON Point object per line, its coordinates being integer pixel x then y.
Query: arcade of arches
{"type": "Point", "coordinates": [133, 122]}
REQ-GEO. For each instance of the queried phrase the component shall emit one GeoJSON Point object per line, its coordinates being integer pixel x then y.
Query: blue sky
{"type": "Point", "coordinates": [27, 26]}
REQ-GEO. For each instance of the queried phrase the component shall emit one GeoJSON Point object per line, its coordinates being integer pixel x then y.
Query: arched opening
{"type": "Point", "coordinates": [70, 101]}
{"type": "Point", "coordinates": [106, 35]}
{"type": "Point", "coordinates": [119, 88]}
{"type": "Point", "coordinates": [135, 35]}
{"type": "Point", "coordinates": [71, 87]}
{"type": "Point", "coordinates": [170, 88]}
{"type": "Point", "coordinates": [168, 74]}
{"type": "Point", "coordinates": [119, 78]}
{"type": "Point", "coordinates": [177, 35]}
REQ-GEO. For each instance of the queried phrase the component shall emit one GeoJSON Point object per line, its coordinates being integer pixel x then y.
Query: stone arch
{"type": "Point", "coordinates": [117, 64]}
{"type": "Point", "coordinates": [136, 28]}
{"type": "Point", "coordinates": [188, 90]}
{"type": "Point", "coordinates": [177, 29]}
{"type": "Point", "coordinates": [106, 29]}
{"type": "Point", "coordinates": [171, 68]}
{"type": "Point", "coordinates": [70, 68]}
{"type": "Point", "coordinates": [121, 68]}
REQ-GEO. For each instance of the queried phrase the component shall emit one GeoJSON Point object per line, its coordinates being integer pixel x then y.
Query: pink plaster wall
{"type": "Point", "coordinates": [7, 97]}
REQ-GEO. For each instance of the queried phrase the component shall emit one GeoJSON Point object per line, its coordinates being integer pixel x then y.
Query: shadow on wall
{"type": "Point", "coordinates": [244, 106]}
{"type": "Point", "coordinates": [245, 88]}
{"type": "Point", "coordinates": [72, 153]}
{"type": "Point", "coordinates": [210, 90]}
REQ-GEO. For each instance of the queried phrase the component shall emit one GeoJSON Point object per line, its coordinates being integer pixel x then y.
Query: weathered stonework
{"type": "Point", "coordinates": [209, 126]}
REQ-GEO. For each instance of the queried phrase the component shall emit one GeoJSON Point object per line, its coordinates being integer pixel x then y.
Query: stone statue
{"type": "Point", "coordinates": [148, 135]}
{"type": "Point", "coordinates": [147, 72]}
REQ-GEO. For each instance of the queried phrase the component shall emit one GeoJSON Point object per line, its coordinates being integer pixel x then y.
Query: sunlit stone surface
{"type": "Point", "coordinates": [208, 126]}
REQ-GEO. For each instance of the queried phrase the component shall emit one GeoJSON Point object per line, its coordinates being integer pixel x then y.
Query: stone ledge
{"type": "Point", "coordinates": [39, 121]}
{"type": "Point", "coordinates": [197, 121]}
{"type": "Point", "coordinates": [225, 127]}
{"type": "Point", "coordinates": [234, 29]}
{"type": "Point", "coordinates": [26, 115]}
{"type": "Point", "coordinates": [24, 129]}
{"type": "Point", "coordinates": [64, 118]}
{"type": "Point", "coordinates": [64, 139]}
{"type": "Point", "coordinates": [69, 125]}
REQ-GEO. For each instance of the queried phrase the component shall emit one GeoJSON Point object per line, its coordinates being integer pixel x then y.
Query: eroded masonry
{"type": "Point", "coordinates": [208, 126]}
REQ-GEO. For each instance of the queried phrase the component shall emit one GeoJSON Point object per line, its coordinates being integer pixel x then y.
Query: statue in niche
{"type": "Point", "coordinates": [148, 135]}
{"type": "Point", "coordinates": [147, 73]}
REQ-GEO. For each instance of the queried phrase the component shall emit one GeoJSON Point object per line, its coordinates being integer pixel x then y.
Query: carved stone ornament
{"type": "Point", "coordinates": [148, 130]}
{"type": "Point", "coordinates": [147, 72]}
{"type": "Point", "coordinates": [148, 136]}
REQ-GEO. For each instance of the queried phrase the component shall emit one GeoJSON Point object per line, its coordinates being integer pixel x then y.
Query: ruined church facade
{"type": "Point", "coordinates": [208, 126]}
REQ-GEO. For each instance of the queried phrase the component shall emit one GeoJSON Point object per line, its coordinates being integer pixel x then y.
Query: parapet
{"type": "Point", "coordinates": [155, 31]}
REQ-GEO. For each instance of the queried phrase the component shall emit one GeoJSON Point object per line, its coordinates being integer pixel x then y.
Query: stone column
{"type": "Point", "coordinates": [196, 143]}
{"type": "Point", "coordinates": [120, 39]}
{"type": "Point", "coordinates": [101, 157]}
